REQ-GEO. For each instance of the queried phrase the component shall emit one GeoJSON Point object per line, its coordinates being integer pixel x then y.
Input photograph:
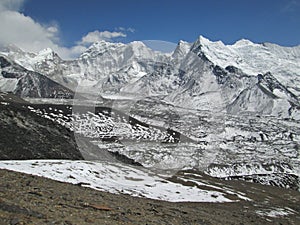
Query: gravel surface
{"type": "Point", "coordinates": [27, 199]}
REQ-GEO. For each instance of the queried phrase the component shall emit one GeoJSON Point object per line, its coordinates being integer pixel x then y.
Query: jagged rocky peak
{"type": "Point", "coordinates": [132, 49]}
{"type": "Point", "coordinates": [184, 45]}
{"type": "Point", "coordinates": [99, 45]}
{"type": "Point", "coordinates": [182, 49]}
{"type": "Point", "coordinates": [47, 54]}
{"type": "Point", "coordinates": [99, 48]}
{"type": "Point", "coordinates": [207, 44]}
{"type": "Point", "coordinates": [45, 62]}
{"type": "Point", "coordinates": [203, 48]}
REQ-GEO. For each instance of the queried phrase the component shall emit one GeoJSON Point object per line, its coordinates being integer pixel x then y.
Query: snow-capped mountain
{"type": "Point", "coordinates": [25, 83]}
{"type": "Point", "coordinates": [253, 59]}
{"type": "Point", "coordinates": [243, 77]}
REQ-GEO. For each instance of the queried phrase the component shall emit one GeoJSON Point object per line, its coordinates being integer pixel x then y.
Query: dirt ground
{"type": "Point", "coordinates": [27, 199]}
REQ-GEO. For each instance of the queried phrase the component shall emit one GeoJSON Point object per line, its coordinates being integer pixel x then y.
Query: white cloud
{"type": "Point", "coordinates": [96, 35]}
{"type": "Point", "coordinates": [26, 33]}
{"type": "Point", "coordinates": [76, 50]}
{"type": "Point", "coordinates": [32, 36]}
{"type": "Point", "coordinates": [53, 30]}
{"type": "Point", "coordinates": [13, 5]}
{"type": "Point", "coordinates": [130, 29]}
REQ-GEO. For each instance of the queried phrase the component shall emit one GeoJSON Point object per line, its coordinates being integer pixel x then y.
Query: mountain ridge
{"type": "Point", "coordinates": [200, 74]}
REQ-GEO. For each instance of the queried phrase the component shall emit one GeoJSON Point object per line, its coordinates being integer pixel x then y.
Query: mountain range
{"type": "Point", "coordinates": [241, 78]}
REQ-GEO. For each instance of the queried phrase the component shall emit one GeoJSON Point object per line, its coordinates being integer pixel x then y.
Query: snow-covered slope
{"type": "Point", "coordinates": [120, 178]}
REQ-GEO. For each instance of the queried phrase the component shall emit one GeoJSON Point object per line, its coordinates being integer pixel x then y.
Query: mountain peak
{"type": "Point", "coordinates": [100, 47]}
{"type": "Point", "coordinates": [242, 43]}
{"type": "Point", "coordinates": [104, 44]}
{"type": "Point", "coordinates": [46, 51]}
{"type": "Point", "coordinates": [138, 46]}
{"type": "Point", "coordinates": [182, 49]}
{"type": "Point", "coordinates": [205, 41]}
{"type": "Point", "coordinates": [137, 43]}
{"type": "Point", "coordinates": [182, 42]}
{"type": "Point", "coordinates": [45, 54]}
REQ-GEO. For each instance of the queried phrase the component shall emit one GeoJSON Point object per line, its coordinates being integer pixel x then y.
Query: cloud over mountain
{"type": "Point", "coordinates": [96, 35]}
{"type": "Point", "coordinates": [32, 36]}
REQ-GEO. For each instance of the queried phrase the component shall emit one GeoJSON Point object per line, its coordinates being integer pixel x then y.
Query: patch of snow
{"type": "Point", "coordinates": [8, 84]}
{"type": "Point", "coordinates": [115, 178]}
{"type": "Point", "coordinates": [276, 212]}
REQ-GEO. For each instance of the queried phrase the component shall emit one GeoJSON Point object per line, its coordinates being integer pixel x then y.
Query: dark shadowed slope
{"type": "Point", "coordinates": [25, 135]}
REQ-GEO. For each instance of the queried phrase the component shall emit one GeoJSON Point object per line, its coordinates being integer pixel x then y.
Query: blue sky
{"type": "Point", "coordinates": [70, 21]}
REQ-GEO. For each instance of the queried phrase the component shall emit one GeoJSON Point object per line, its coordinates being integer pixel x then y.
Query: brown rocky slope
{"type": "Point", "coordinates": [27, 199]}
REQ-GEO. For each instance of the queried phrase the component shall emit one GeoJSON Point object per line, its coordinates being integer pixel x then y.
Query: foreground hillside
{"type": "Point", "coordinates": [26, 199]}
{"type": "Point", "coordinates": [25, 135]}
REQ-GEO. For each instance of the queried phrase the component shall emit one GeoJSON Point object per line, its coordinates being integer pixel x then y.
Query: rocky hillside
{"type": "Point", "coordinates": [25, 135]}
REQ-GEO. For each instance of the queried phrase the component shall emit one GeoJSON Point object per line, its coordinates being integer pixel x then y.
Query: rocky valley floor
{"type": "Point", "coordinates": [27, 199]}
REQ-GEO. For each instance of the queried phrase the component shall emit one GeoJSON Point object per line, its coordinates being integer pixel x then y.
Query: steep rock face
{"type": "Point", "coordinates": [14, 78]}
